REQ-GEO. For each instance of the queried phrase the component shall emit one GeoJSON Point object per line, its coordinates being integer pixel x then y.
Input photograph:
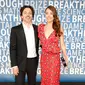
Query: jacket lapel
{"type": "Point", "coordinates": [35, 33]}
{"type": "Point", "coordinates": [22, 34]}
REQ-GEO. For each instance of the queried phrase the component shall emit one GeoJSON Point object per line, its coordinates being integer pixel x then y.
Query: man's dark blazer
{"type": "Point", "coordinates": [18, 46]}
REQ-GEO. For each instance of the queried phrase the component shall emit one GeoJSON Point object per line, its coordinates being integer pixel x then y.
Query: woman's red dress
{"type": "Point", "coordinates": [50, 58]}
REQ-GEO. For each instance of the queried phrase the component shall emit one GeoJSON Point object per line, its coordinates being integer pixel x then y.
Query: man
{"type": "Point", "coordinates": [24, 48]}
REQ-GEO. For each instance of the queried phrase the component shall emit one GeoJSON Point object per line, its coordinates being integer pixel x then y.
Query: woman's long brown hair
{"type": "Point", "coordinates": [56, 21]}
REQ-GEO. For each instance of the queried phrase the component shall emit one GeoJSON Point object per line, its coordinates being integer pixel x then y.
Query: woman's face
{"type": "Point", "coordinates": [49, 15]}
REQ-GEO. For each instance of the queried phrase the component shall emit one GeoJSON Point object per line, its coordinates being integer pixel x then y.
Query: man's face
{"type": "Point", "coordinates": [27, 15]}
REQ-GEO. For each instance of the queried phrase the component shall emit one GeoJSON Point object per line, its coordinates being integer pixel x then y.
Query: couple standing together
{"type": "Point", "coordinates": [24, 45]}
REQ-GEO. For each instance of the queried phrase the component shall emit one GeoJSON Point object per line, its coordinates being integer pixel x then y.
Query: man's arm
{"type": "Point", "coordinates": [13, 48]}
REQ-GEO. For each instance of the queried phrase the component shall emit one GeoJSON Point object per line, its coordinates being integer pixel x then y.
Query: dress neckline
{"type": "Point", "coordinates": [44, 33]}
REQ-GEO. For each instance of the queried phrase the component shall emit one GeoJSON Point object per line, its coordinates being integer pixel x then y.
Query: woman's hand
{"type": "Point", "coordinates": [66, 59]}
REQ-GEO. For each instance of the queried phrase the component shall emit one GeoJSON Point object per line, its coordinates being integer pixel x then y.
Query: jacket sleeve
{"type": "Point", "coordinates": [13, 49]}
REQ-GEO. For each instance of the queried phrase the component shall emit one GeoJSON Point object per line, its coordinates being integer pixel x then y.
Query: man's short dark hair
{"type": "Point", "coordinates": [26, 6]}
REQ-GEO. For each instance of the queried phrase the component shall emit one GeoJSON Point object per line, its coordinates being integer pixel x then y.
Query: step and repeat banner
{"type": "Point", "coordinates": [72, 16]}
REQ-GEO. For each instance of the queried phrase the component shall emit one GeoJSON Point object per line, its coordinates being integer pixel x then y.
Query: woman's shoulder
{"type": "Point", "coordinates": [41, 24]}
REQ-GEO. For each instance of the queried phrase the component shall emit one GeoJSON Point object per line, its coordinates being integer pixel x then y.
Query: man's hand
{"type": "Point", "coordinates": [15, 70]}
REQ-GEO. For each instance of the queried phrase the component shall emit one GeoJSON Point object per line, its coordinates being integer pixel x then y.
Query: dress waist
{"type": "Point", "coordinates": [53, 53]}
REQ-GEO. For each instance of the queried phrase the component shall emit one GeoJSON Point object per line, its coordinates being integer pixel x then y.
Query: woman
{"type": "Point", "coordinates": [51, 37]}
